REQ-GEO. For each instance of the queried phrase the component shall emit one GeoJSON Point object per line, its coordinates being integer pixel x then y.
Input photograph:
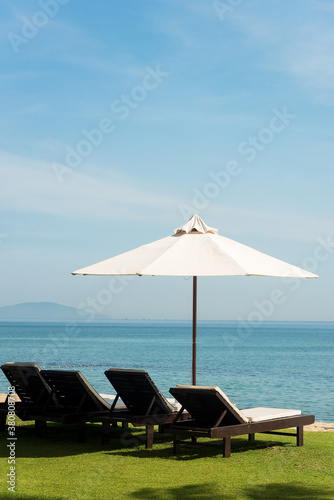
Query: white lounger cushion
{"type": "Point", "coordinates": [261, 414]}
{"type": "Point", "coordinates": [110, 399]}
{"type": "Point", "coordinates": [174, 403]}
{"type": "Point", "coordinates": [250, 414]}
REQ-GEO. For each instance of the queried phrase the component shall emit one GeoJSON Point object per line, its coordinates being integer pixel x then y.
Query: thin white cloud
{"type": "Point", "coordinates": [33, 109]}
{"type": "Point", "coordinates": [311, 57]}
{"type": "Point", "coordinates": [24, 75]}
{"type": "Point", "coordinates": [270, 223]}
{"type": "Point", "coordinates": [32, 186]}
{"type": "Point", "coordinates": [69, 44]}
{"type": "Point", "coordinates": [305, 49]}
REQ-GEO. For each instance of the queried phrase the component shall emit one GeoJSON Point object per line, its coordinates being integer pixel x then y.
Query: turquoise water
{"type": "Point", "coordinates": [285, 365]}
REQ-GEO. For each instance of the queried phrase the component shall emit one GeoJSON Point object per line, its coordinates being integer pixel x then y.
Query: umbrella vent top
{"type": "Point", "coordinates": [195, 225]}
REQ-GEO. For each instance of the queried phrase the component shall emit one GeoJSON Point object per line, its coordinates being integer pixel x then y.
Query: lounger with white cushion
{"type": "Point", "coordinates": [214, 415]}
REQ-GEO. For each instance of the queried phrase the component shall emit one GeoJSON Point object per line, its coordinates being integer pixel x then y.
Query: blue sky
{"type": "Point", "coordinates": [121, 119]}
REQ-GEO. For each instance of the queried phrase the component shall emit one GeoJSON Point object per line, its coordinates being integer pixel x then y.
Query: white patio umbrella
{"type": "Point", "coordinates": [194, 250]}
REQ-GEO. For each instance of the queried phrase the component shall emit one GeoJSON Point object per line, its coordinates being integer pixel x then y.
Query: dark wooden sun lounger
{"type": "Point", "coordinates": [80, 402]}
{"type": "Point", "coordinates": [214, 416]}
{"type": "Point", "coordinates": [146, 405]}
{"type": "Point", "coordinates": [62, 396]}
{"type": "Point", "coordinates": [31, 388]}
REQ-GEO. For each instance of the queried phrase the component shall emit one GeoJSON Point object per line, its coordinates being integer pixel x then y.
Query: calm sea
{"type": "Point", "coordinates": [284, 365]}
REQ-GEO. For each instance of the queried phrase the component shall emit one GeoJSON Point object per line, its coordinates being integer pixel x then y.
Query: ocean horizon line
{"type": "Point", "coordinates": [156, 320]}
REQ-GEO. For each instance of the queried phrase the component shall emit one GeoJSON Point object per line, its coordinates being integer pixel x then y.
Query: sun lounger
{"type": "Point", "coordinates": [74, 391]}
{"type": "Point", "coordinates": [80, 402]}
{"type": "Point", "coordinates": [31, 388]}
{"type": "Point", "coordinates": [62, 396]}
{"type": "Point", "coordinates": [29, 384]}
{"type": "Point", "coordinates": [146, 405]}
{"type": "Point", "coordinates": [213, 415]}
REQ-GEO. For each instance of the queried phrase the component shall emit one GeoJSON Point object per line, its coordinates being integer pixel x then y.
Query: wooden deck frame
{"type": "Point", "coordinates": [185, 430]}
{"type": "Point", "coordinates": [125, 418]}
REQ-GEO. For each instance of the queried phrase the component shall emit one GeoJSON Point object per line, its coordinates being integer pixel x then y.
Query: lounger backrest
{"type": "Point", "coordinates": [29, 384]}
{"type": "Point", "coordinates": [138, 392]}
{"type": "Point", "coordinates": [74, 392]}
{"type": "Point", "coordinates": [206, 405]}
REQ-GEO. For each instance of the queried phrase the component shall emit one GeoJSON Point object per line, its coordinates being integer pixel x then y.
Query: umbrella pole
{"type": "Point", "coordinates": [194, 329]}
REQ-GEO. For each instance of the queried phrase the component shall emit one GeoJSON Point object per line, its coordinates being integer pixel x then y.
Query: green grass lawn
{"type": "Point", "coordinates": [58, 468]}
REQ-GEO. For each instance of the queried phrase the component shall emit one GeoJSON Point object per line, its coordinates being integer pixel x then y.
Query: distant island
{"type": "Point", "coordinates": [45, 311]}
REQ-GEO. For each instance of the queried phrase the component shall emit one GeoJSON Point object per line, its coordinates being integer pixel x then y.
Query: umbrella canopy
{"type": "Point", "coordinates": [194, 249]}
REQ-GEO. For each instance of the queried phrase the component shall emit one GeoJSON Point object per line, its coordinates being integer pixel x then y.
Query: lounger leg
{"type": "Point", "coordinates": [194, 439]}
{"type": "Point", "coordinates": [40, 428]}
{"type": "Point", "coordinates": [105, 432]}
{"type": "Point", "coordinates": [149, 436]}
{"type": "Point", "coordinates": [227, 447]}
{"type": "Point", "coordinates": [125, 425]}
{"type": "Point", "coordinates": [114, 425]}
{"type": "Point", "coordinates": [3, 417]}
{"type": "Point", "coordinates": [251, 438]}
{"type": "Point", "coordinates": [81, 432]}
{"type": "Point", "coordinates": [177, 443]}
{"type": "Point", "coordinates": [300, 436]}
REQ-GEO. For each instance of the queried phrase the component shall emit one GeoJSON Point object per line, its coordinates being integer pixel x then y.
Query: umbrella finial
{"type": "Point", "coordinates": [195, 225]}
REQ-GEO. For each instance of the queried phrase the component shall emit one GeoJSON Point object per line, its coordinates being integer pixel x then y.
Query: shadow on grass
{"type": "Point", "coordinates": [60, 441]}
{"type": "Point", "coordinates": [210, 491]}
{"type": "Point", "coordinates": [18, 496]}
{"type": "Point", "coordinates": [206, 491]}
{"type": "Point", "coordinates": [208, 449]}
{"type": "Point", "coordinates": [287, 491]}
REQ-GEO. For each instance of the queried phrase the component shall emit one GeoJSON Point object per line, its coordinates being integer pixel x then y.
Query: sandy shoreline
{"type": "Point", "coordinates": [320, 427]}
